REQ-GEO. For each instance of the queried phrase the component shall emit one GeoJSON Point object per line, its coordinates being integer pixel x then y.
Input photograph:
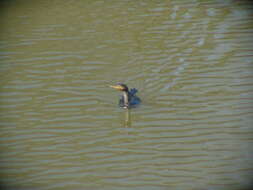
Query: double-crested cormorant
{"type": "Point", "coordinates": [128, 99]}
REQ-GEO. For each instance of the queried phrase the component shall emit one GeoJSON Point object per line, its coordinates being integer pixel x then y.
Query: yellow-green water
{"type": "Point", "coordinates": [60, 125]}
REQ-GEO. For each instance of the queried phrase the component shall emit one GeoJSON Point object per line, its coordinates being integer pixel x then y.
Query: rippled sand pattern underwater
{"type": "Point", "coordinates": [61, 127]}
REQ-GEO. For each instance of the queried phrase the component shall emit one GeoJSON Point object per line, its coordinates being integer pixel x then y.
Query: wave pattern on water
{"type": "Point", "coordinates": [191, 62]}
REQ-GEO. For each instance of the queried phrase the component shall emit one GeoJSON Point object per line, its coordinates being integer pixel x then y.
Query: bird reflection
{"type": "Point", "coordinates": [128, 119]}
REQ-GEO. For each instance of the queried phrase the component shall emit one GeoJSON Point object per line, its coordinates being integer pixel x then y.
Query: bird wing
{"type": "Point", "coordinates": [133, 91]}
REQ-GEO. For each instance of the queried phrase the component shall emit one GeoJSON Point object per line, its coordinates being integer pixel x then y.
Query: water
{"type": "Point", "coordinates": [61, 127]}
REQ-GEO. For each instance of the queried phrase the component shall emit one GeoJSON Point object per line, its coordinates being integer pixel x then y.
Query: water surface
{"type": "Point", "coordinates": [60, 124]}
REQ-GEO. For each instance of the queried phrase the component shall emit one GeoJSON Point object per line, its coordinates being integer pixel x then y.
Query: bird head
{"type": "Point", "coordinates": [120, 87]}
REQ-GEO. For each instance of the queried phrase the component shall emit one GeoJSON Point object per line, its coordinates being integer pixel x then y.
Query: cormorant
{"type": "Point", "coordinates": [128, 99]}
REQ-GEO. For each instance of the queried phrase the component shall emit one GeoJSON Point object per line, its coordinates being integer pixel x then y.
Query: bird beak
{"type": "Point", "coordinates": [118, 87]}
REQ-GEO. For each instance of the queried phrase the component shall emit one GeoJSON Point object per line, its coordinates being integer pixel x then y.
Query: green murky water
{"type": "Point", "coordinates": [60, 125]}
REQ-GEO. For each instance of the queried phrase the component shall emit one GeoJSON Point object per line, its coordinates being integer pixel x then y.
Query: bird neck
{"type": "Point", "coordinates": [126, 98]}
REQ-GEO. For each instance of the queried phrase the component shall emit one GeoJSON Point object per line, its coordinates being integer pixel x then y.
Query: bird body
{"type": "Point", "coordinates": [129, 98]}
